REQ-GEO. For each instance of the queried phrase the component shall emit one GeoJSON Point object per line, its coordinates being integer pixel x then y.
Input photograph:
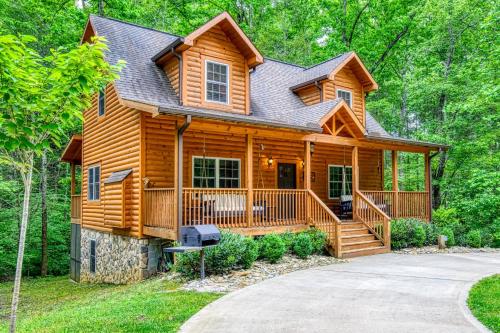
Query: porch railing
{"type": "Point", "coordinates": [275, 207]}
{"type": "Point", "coordinates": [397, 204]}
{"type": "Point", "coordinates": [76, 206]}
{"type": "Point", "coordinates": [323, 219]}
{"type": "Point", "coordinates": [159, 208]}
{"type": "Point", "coordinates": [373, 217]}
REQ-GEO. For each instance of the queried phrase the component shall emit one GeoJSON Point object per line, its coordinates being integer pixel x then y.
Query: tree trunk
{"type": "Point", "coordinates": [27, 178]}
{"type": "Point", "coordinates": [43, 192]}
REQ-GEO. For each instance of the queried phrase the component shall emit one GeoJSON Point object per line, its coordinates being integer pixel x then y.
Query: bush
{"type": "Point", "coordinates": [473, 238]}
{"type": "Point", "coordinates": [431, 233]}
{"type": "Point", "coordinates": [250, 254]}
{"type": "Point", "coordinates": [302, 245]}
{"type": "Point", "coordinates": [287, 239]}
{"type": "Point", "coordinates": [419, 238]}
{"type": "Point", "coordinates": [445, 217]}
{"type": "Point", "coordinates": [271, 248]}
{"type": "Point", "coordinates": [318, 240]}
{"type": "Point", "coordinates": [451, 236]}
{"type": "Point", "coordinates": [233, 251]}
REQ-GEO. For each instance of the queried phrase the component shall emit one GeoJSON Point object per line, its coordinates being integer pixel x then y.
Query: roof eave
{"type": "Point", "coordinates": [309, 82]}
{"type": "Point", "coordinates": [177, 42]}
{"type": "Point", "coordinates": [408, 142]}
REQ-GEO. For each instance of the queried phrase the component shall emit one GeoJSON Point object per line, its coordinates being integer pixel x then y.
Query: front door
{"type": "Point", "coordinates": [286, 180]}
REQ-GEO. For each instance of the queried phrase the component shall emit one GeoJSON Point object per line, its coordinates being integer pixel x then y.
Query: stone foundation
{"type": "Point", "coordinates": [119, 259]}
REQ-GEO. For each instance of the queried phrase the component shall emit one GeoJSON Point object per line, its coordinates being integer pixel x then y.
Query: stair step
{"type": "Point", "coordinates": [355, 231]}
{"type": "Point", "coordinates": [361, 245]}
{"type": "Point", "coordinates": [349, 239]}
{"type": "Point", "coordinates": [352, 225]}
{"type": "Point", "coordinates": [365, 252]}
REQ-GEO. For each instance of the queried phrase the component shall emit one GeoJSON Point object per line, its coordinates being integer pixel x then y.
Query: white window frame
{"type": "Point", "coordinates": [217, 169]}
{"type": "Point", "coordinates": [346, 91]}
{"type": "Point", "coordinates": [92, 167]}
{"type": "Point", "coordinates": [227, 81]}
{"type": "Point", "coordinates": [343, 178]}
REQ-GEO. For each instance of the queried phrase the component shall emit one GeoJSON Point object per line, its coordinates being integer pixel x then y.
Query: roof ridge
{"type": "Point", "coordinates": [327, 60]}
{"type": "Point", "coordinates": [133, 24]}
{"type": "Point", "coordinates": [284, 62]}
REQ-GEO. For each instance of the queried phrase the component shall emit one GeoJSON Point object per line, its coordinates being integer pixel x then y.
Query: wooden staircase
{"type": "Point", "coordinates": [357, 240]}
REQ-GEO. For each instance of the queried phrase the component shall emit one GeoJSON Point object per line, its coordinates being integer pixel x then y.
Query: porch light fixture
{"type": "Point", "coordinates": [312, 147]}
{"type": "Point", "coordinates": [270, 161]}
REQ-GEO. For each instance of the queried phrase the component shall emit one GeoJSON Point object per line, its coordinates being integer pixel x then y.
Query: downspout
{"type": "Point", "coordinates": [430, 181]}
{"type": "Point", "coordinates": [320, 88]}
{"type": "Point", "coordinates": [180, 132]}
{"type": "Point", "coordinates": [179, 57]}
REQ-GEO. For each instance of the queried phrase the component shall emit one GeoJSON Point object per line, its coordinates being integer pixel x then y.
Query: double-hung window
{"type": "Point", "coordinates": [216, 82]}
{"type": "Point", "coordinates": [101, 103]}
{"type": "Point", "coordinates": [339, 181]}
{"type": "Point", "coordinates": [94, 183]}
{"type": "Point", "coordinates": [211, 172]}
{"type": "Point", "coordinates": [346, 95]}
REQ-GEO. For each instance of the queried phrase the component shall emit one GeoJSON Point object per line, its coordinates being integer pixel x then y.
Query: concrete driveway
{"type": "Point", "coordinates": [382, 293]}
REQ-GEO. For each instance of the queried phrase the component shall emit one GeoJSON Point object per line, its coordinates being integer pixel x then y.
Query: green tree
{"type": "Point", "coordinates": [39, 99]}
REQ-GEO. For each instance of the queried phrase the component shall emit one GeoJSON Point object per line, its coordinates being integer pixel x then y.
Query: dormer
{"type": "Point", "coordinates": [344, 77]}
{"type": "Point", "coordinates": [209, 68]}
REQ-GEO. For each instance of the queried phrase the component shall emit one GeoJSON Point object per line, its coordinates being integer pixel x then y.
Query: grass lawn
{"type": "Point", "coordinates": [484, 302]}
{"type": "Point", "coordinates": [56, 304]}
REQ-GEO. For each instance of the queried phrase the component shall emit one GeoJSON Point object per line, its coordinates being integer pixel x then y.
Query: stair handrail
{"type": "Point", "coordinates": [335, 220]}
{"type": "Point", "coordinates": [386, 237]}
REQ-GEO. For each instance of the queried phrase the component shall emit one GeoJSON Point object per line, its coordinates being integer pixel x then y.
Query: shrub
{"type": "Point", "coordinates": [419, 238]}
{"type": "Point", "coordinates": [287, 239]}
{"type": "Point", "coordinates": [402, 233]}
{"type": "Point", "coordinates": [302, 245]}
{"type": "Point", "coordinates": [431, 233]}
{"type": "Point", "coordinates": [271, 248]}
{"type": "Point", "coordinates": [318, 240]}
{"type": "Point", "coordinates": [445, 217]}
{"type": "Point", "coordinates": [250, 254]}
{"type": "Point", "coordinates": [473, 238]}
{"type": "Point", "coordinates": [451, 236]}
{"type": "Point", "coordinates": [232, 252]}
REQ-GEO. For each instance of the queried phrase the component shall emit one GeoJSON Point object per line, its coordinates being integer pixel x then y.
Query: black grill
{"type": "Point", "coordinates": [200, 235]}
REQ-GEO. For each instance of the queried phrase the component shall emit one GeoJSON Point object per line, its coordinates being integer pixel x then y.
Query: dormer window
{"type": "Point", "coordinates": [217, 82]}
{"type": "Point", "coordinates": [346, 95]}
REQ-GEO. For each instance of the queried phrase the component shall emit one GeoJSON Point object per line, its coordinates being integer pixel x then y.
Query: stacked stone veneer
{"type": "Point", "coordinates": [119, 259]}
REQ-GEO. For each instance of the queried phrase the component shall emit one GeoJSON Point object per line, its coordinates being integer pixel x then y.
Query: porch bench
{"type": "Point", "coordinates": [230, 205]}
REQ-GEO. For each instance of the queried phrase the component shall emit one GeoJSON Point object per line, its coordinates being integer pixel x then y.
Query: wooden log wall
{"type": "Point", "coordinates": [215, 45]}
{"type": "Point", "coordinates": [324, 155]}
{"type": "Point", "coordinates": [171, 68]}
{"type": "Point", "coordinates": [310, 95]}
{"type": "Point", "coordinates": [345, 79]}
{"type": "Point", "coordinates": [112, 141]}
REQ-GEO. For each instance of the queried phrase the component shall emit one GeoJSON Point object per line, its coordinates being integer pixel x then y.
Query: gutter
{"type": "Point", "coordinates": [178, 41]}
{"type": "Point", "coordinates": [180, 155]}
{"type": "Point", "coordinates": [303, 84]}
{"type": "Point", "coordinates": [409, 142]}
{"type": "Point", "coordinates": [320, 88]}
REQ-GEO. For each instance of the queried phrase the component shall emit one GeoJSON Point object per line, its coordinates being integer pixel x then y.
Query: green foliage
{"type": "Point", "coordinates": [473, 238]}
{"type": "Point", "coordinates": [431, 233]}
{"type": "Point", "coordinates": [445, 217]}
{"type": "Point", "coordinates": [407, 233]}
{"type": "Point", "coordinates": [484, 302]}
{"type": "Point", "coordinates": [251, 252]}
{"type": "Point", "coordinates": [56, 304]}
{"type": "Point", "coordinates": [318, 240]}
{"type": "Point", "coordinates": [272, 248]}
{"type": "Point", "coordinates": [288, 238]}
{"type": "Point", "coordinates": [448, 232]}
{"type": "Point", "coordinates": [233, 251]}
{"type": "Point", "coordinates": [302, 245]}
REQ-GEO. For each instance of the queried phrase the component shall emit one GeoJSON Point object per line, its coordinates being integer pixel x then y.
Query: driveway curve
{"type": "Point", "coordinates": [382, 293]}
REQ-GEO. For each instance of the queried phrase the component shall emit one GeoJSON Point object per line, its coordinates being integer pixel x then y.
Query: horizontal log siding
{"type": "Point", "coordinates": [171, 68]}
{"type": "Point", "coordinates": [113, 141]}
{"type": "Point", "coordinates": [215, 45]}
{"type": "Point", "coordinates": [324, 155]}
{"type": "Point", "coordinates": [310, 95]}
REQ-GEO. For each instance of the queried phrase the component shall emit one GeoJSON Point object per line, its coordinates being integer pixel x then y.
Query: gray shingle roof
{"type": "Point", "coordinates": [271, 101]}
{"type": "Point", "coordinates": [117, 176]}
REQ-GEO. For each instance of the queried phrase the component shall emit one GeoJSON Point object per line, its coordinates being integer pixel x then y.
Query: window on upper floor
{"type": "Point", "coordinates": [211, 172]}
{"type": "Point", "coordinates": [216, 82]}
{"type": "Point", "coordinates": [339, 181]}
{"type": "Point", "coordinates": [346, 95]}
{"type": "Point", "coordinates": [94, 183]}
{"type": "Point", "coordinates": [102, 103]}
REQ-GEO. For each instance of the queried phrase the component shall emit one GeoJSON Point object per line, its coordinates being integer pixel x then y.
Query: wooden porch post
{"type": "Point", "coordinates": [177, 197]}
{"type": "Point", "coordinates": [395, 186]}
{"type": "Point", "coordinates": [355, 179]}
{"type": "Point", "coordinates": [249, 180]}
{"type": "Point", "coordinates": [307, 177]}
{"type": "Point", "coordinates": [428, 182]}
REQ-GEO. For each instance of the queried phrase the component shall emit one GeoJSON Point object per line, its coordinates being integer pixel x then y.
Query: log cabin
{"type": "Point", "coordinates": [202, 129]}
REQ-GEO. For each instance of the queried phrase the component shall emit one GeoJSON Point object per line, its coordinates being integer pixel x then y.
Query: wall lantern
{"type": "Point", "coordinates": [270, 161]}
{"type": "Point", "coordinates": [312, 147]}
